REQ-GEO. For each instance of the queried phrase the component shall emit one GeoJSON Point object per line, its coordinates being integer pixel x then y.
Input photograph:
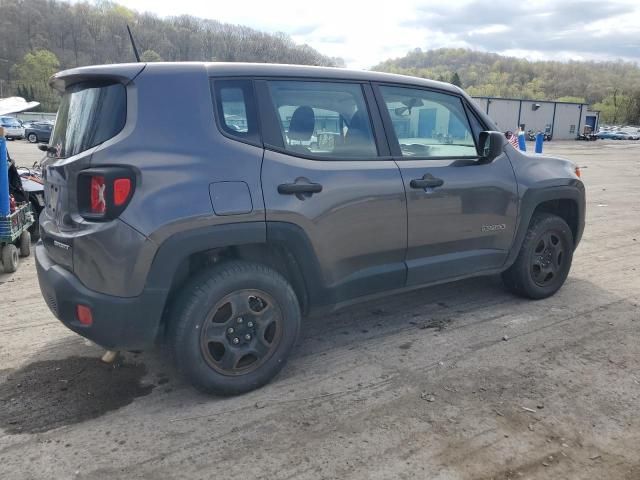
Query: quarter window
{"type": "Point", "coordinates": [236, 109]}
{"type": "Point", "coordinates": [323, 119]}
{"type": "Point", "coordinates": [429, 124]}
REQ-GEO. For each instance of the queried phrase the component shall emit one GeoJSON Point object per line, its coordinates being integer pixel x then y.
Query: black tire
{"type": "Point", "coordinates": [9, 258]}
{"type": "Point", "coordinates": [212, 304]}
{"type": "Point", "coordinates": [32, 137]}
{"type": "Point", "coordinates": [25, 244]}
{"type": "Point", "coordinates": [34, 229]}
{"type": "Point", "coordinates": [544, 260]}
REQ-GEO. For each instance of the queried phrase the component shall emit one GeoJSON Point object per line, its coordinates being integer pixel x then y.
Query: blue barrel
{"type": "Point", "coordinates": [539, 142]}
{"type": "Point", "coordinates": [4, 179]}
{"type": "Point", "coordinates": [522, 143]}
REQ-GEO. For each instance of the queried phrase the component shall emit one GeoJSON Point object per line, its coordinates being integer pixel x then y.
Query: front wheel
{"type": "Point", "coordinates": [32, 137]}
{"type": "Point", "coordinates": [544, 260]}
{"type": "Point", "coordinates": [233, 327]}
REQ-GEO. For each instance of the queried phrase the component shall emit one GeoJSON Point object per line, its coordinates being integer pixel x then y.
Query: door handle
{"type": "Point", "coordinates": [299, 188]}
{"type": "Point", "coordinates": [427, 181]}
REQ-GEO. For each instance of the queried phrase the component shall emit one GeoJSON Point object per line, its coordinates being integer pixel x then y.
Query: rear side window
{"type": "Point", "coordinates": [323, 119]}
{"type": "Point", "coordinates": [236, 110]}
{"type": "Point", "coordinates": [89, 115]}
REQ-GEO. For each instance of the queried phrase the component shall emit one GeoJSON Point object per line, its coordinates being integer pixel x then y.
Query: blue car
{"type": "Point", "coordinates": [611, 135]}
{"type": "Point", "coordinates": [38, 132]}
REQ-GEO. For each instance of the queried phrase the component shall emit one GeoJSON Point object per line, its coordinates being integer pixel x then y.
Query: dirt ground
{"type": "Point", "coordinates": [460, 381]}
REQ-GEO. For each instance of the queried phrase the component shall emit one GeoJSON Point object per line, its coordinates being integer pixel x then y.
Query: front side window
{"type": "Point", "coordinates": [236, 109]}
{"type": "Point", "coordinates": [323, 119]}
{"type": "Point", "coordinates": [429, 124]}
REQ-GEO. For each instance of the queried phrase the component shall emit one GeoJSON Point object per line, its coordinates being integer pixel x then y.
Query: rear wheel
{"type": "Point", "coordinates": [544, 261]}
{"type": "Point", "coordinates": [10, 258]}
{"type": "Point", "coordinates": [32, 137]}
{"type": "Point", "coordinates": [233, 327]}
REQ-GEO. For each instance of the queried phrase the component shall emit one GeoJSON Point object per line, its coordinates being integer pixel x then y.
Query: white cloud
{"type": "Point", "coordinates": [365, 32]}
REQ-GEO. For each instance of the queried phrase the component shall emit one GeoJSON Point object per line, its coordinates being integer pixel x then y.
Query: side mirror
{"type": "Point", "coordinates": [491, 145]}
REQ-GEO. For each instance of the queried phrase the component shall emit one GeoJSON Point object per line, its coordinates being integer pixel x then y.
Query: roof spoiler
{"type": "Point", "coordinates": [120, 72]}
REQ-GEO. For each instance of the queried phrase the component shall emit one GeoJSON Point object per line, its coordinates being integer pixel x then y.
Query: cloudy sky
{"type": "Point", "coordinates": [366, 32]}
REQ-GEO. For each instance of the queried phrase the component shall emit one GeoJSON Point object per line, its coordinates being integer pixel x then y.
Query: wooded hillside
{"type": "Point", "coordinates": [39, 37]}
{"type": "Point", "coordinates": [612, 87]}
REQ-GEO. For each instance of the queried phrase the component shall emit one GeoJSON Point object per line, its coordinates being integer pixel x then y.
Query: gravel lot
{"type": "Point", "coordinates": [460, 381]}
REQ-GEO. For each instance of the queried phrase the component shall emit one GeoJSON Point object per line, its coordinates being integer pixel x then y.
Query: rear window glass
{"type": "Point", "coordinates": [89, 114]}
{"type": "Point", "coordinates": [323, 119]}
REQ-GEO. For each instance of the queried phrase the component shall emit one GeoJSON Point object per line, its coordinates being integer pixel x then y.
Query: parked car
{"type": "Point", "coordinates": [630, 134]}
{"type": "Point", "coordinates": [39, 132]}
{"type": "Point", "coordinates": [218, 239]}
{"type": "Point", "coordinates": [613, 135]}
{"type": "Point", "coordinates": [13, 129]}
{"type": "Point", "coordinates": [620, 135]}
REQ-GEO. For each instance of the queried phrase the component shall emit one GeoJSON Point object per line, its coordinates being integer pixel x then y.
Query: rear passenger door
{"type": "Point", "coordinates": [329, 182]}
{"type": "Point", "coordinates": [461, 210]}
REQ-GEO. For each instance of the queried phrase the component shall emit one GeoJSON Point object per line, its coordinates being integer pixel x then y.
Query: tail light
{"type": "Point", "coordinates": [103, 193]}
{"type": "Point", "coordinates": [98, 202]}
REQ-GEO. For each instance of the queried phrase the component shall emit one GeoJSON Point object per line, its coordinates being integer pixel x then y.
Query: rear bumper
{"type": "Point", "coordinates": [119, 323]}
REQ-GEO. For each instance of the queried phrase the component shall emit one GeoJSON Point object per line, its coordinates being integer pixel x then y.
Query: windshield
{"type": "Point", "coordinates": [10, 122]}
{"type": "Point", "coordinates": [89, 114]}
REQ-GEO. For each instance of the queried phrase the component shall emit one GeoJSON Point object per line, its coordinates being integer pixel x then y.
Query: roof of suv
{"type": "Point", "coordinates": [282, 70]}
{"type": "Point", "coordinates": [130, 70]}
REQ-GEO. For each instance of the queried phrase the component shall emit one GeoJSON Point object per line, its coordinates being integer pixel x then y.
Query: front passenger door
{"type": "Point", "coordinates": [461, 211]}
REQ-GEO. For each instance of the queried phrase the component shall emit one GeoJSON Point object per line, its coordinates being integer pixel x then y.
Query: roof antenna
{"type": "Point", "coordinates": [133, 44]}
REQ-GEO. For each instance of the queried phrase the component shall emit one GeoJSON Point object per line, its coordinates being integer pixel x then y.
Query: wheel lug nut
{"type": "Point", "coordinates": [231, 330]}
{"type": "Point", "coordinates": [236, 341]}
{"type": "Point", "coordinates": [249, 324]}
{"type": "Point", "coordinates": [239, 319]}
{"type": "Point", "coordinates": [247, 337]}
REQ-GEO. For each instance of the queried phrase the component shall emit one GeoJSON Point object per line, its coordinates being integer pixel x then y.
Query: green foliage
{"type": "Point", "coordinates": [86, 33]}
{"type": "Point", "coordinates": [620, 108]}
{"type": "Point", "coordinates": [609, 86]}
{"type": "Point", "coordinates": [571, 99]}
{"type": "Point", "coordinates": [32, 77]}
{"type": "Point", "coordinates": [150, 56]}
{"type": "Point", "coordinates": [455, 80]}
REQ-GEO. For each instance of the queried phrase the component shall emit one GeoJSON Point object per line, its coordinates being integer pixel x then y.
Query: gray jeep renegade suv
{"type": "Point", "coordinates": [213, 205]}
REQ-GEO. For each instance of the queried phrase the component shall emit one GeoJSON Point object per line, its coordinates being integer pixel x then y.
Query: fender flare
{"type": "Point", "coordinates": [179, 246]}
{"type": "Point", "coordinates": [532, 198]}
{"type": "Point", "coordinates": [290, 238]}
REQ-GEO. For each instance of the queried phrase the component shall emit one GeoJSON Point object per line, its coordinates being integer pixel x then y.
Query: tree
{"type": "Point", "coordinates": [33, 74]}
{"type": "Point", "coordinates": [491, 74]}
{"type": "Point", "coordinates": [455, 80]}
{"type": "Point", "coordinates": [571, 99]}
{"type": "Point", "coordinates": [150, 56]}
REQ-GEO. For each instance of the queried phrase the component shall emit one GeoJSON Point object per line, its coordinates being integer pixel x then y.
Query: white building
{"type": "Point", "coordinates": [564, 120]}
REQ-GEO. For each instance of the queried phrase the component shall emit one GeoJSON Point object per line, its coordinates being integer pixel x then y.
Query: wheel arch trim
{"type": "Point", "coordinates": [534, 197]}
